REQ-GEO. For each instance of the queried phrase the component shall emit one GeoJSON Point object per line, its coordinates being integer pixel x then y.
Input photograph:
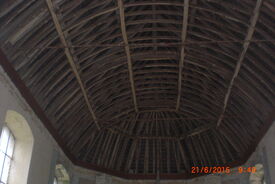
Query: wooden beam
{"type": "Point", "coordinates": [84, 20]}
{"type": "Point", "coordinates": [182, 53]}
{"type": "Point", "coordinates": [133, 146]}
{"type": "Point", "coordinates": [176, 153]}
{"type": "Point", "coordinates": [193, 132]}
{"type": "Point", "coordinates": [8, 68]}
{"type": "Point", "coordinates": [32, 102]}
{"type": "Point", "coordinates": [198, 130]}
{"type": "Point", "coordinates": [70, 59]}
{"type": "Point", "coordinates": [146, 156]}
{"type": "Point", "coordinates": [127, 50]}
{"type": "Point", "coordinates": [184, 157]}
{"type": "Point", "coordinates": [131, 155]}
{"type": "Point", "coordinates": [167, 44]}
{"type": "Point", "coordinates": [246, 43]}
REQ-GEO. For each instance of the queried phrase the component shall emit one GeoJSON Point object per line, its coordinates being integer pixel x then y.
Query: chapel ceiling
{"type": "Point", "coordinates": [135, 88]}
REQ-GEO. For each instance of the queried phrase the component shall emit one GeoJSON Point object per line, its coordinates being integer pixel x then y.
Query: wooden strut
{"type": "Point", "coordinates": [190, 133]}
{"type": "Point", "coordinates": [70, 59]}
{"type": "Point", "coordinates": [182, 54]}
{"type": "Point", "coordinates": [249, 35]}
{"type": "Point", "coordinates": [183, 118]}
{"type": "Point", "coordinates": [127, 50]}
{"type": "Point", "coordinates": [145, 44]}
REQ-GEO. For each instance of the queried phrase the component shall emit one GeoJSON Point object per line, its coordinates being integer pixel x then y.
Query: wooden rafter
{"type": "Point", "coordinates": [71, 59]}
{"type": "Point", "coordinates": [144, 148]}
{"type": "Point", "coordinates": [197, 131]}
{"type": "Point", "coordinates": [182, 53]}
{"type": "Point", "coordinates": [183, 155]}
{"type": "Point", "coordinates": [248, 37]}
{"type": "Point", "coordinates": [127, 50]}
{"type": "Point", "coordinates": [136, 45]}
{"type": "Point", "coordinates": [190, 133]}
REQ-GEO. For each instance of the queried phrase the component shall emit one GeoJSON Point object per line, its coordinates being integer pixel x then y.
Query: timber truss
{"type": "Point", "coordinates": [139, 87]}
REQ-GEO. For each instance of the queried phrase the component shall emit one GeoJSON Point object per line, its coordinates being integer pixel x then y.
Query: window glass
{"type": "Point", "coordinates": [10, 146]}
{"type": "Point", "coordinates": [5, 171]}
{"type": "Point", "coordinates": [4, 139]}
{"type": "Point", "coordinates": [2, 159]}
{"type": "Point", "coordinates": [54, 180]}
{"type": "Point", "coordinates": [6, 152]}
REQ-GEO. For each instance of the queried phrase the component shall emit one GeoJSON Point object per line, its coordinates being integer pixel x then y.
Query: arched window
{"type": "Point", "coordinates": [16, 125]}
{"type": "Point", "coordinates": [258, 176]}
{"type": "Point", "coordinates": [7, 143]}
{"type": "Point", "coordinates": [61, 175]}
{"type": "Point", "coordinates": [55, 180]}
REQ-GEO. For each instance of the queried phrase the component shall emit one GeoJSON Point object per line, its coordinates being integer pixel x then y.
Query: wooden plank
{"type": "Point", "coordinates": [198, 130]}
{"type": "Point", "coordinates": [175, 149]}
{"type": "Point", "coordinates": [70, 59]}
{"type": "Point", "coordinates": [269, 119]}
{"type": "Point", "coordinates": [127, 50]}
{"type": "Point", "coordinates": [182, 53]}
{"type": "Point", "coordinates": [248, 37]}
{"type": "Point", "coordinates": [184, 157]}
{"type": "Point", "coordinates": [133, 146]}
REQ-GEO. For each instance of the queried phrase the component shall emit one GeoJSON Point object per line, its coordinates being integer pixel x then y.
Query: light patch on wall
{"type": "Point", "coordinates": [61, 174]}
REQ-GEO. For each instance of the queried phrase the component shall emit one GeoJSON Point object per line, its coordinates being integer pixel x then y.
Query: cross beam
{"type": "Point", "coordinates": [246, 43]}
{"type": "Point", "coordinates": [182, 53]}
{"type": "Point", "coordinates": [127, 50]}
{"type": "Point", "coordinates": [70, 59]}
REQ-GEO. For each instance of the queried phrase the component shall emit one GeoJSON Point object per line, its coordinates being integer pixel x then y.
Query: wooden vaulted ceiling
{"type": "Point", "coordinates": [139, 87]}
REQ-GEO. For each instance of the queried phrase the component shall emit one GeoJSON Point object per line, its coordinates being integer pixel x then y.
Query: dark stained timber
{"type": "Point", "coordinates": [171, 84]}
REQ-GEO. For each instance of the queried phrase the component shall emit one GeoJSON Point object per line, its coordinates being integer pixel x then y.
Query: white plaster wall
{"type": "Point", "coordinates": [40, 162]}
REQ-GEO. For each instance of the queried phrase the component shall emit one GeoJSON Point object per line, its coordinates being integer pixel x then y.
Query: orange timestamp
{"type": "Point", "coordinates": [247, 169]}
{"type": "Point", "coordinates": [224, 170]}
{"type": "Point", "coordinates": [210, 170]}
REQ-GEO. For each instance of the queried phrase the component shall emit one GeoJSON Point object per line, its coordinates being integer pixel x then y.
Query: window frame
{"type": "Point", "coordinates": [55, 180]}
{"type": "Point", "coordinates": [7, 154]}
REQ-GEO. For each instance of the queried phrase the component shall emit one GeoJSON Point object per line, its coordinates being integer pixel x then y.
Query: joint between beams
{"type": "Point", "coordinates": [249, 35]}
{"type": "Point", "coordinates": [127, 50]}
{"type": "Point", "coordinates": [182, 53]}
{"type": "Point", "coordinates": [70, 58]}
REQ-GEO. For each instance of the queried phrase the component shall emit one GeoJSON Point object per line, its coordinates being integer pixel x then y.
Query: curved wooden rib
{"type": "Point", "coordinates": [182, 53]}
{"type": "Point", "coordinates": [148, 43]}
{"type": "Point", "coordinates": [127, 50]}
{"type": "Point", "coordinates": [70, 59]}
{"type": "Point", "coordinates": [249, 35]}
